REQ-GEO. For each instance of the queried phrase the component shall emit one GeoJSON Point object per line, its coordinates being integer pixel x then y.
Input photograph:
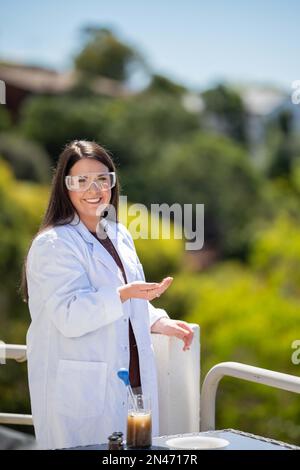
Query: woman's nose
{"type": "Point", "coordinates": [96, 187]}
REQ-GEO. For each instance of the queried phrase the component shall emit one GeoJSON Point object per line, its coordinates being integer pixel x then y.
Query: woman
{"type": "Point", "coordinates": [89, 306]}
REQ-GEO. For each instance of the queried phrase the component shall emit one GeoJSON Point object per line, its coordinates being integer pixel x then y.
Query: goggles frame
{"type": "Point", "coordinates": [72, 181]}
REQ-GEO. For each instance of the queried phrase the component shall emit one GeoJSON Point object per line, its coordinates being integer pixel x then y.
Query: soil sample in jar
{"type": "Point", "coordinates": [139, 429]}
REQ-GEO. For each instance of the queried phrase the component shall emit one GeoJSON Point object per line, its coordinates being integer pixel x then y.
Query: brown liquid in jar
{"type": "Point", "coordinates": [139, 429]}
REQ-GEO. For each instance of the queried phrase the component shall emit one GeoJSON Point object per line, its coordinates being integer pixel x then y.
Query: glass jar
{"type": "Point", "coordinates": [113, 442]}
{"type": "Point", "coordinates": [139, 423]}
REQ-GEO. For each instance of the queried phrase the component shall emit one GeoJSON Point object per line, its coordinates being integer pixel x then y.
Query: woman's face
{"type": "Point", "coordinates": [81, 200]}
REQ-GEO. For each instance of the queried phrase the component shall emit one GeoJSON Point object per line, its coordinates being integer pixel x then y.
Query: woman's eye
{"type": "Point", "coordinates": [102, 179]}
{"type": "Point", "coordinates": [81, 180]}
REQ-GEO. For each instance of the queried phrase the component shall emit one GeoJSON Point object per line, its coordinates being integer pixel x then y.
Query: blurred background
{"type": "Point", "coordinates": [193, 100]}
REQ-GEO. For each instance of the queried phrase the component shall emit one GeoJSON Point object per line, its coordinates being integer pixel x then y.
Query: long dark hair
{"type": "Point", "coordinates": [60, 210]}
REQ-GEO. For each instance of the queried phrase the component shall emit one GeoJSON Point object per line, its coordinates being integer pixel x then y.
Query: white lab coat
{"type": "Point", "coordinates": [78, 337]}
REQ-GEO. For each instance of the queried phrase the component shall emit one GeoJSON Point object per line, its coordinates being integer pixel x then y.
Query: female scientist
{"type": "Point", "coordinates": [90, 308]}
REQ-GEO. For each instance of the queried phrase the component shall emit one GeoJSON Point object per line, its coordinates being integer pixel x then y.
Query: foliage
{"type": "Point", "coordinates": [225, 111]}
{"type": "Point", "coordinates": [167, 251]}
{"type": "Point", "coordinates": [211, 170]}
{"type": "Point", "coordinates": [28, 159]}
{"type": "Point", "coordinates": [283, 147]}
{"type": "Point", "coordinates": [105, 54]}
{"type": "Point", "coordinates": [5, 119]}
{"type": "Point", "coordinates": [53, 121]}
{"type": "Point", "coordinates": [21, 208]}
{"type": "Point", "coordinates": [161, 84]}
{"type": "Point", "coordinates": [133, 129]}
{"type": "Point", "coordinates": [243, 317]}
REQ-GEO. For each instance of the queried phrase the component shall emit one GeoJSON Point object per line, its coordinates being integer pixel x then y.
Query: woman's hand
{"type": "Point", "coordinates": [144, 290]}
{"type": "Point", "coordinates": [180, 329]}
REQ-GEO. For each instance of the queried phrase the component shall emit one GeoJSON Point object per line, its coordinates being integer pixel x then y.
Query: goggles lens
{"type": "Point", "coordinates": [104, 181]}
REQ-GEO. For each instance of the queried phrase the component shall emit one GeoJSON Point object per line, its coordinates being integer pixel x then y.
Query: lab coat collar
{"type": "Point", "coordinates": [109, 226]}
{"type": "Point", "coordinates": [101, 254]}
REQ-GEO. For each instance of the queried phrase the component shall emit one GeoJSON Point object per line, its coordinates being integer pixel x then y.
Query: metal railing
{"type": "Point", "coordinates": [178, 375]}
{"type": "Point", "coordinates": [211, 382]}
{"type": "Point", "coordinates": [18, 353]}
{"type": "Point", "coordinates": [14, 351]}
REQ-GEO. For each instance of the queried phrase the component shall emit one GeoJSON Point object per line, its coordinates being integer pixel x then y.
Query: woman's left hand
{"type": "Point", "coordinates": [178, 328]}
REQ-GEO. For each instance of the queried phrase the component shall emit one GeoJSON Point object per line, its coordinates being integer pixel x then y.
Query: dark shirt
{"type": "Point", "coordinates": [134, 367]}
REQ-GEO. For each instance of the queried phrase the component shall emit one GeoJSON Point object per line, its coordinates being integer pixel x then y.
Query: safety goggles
{"type": "Point", "coordinates": [104, 181]}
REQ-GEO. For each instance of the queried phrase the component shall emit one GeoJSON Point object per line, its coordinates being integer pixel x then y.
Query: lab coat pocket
{"type": "Point", "coordinates": [80, 388]}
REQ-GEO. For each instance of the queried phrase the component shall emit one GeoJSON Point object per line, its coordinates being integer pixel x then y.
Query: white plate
{"type": "Point", "coordinates": [197, 442]}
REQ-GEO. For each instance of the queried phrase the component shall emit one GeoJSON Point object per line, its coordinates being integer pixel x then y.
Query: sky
{"type": "Point", "coordinates": [197, 43]}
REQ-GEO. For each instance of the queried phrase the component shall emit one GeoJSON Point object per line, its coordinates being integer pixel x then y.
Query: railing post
{"type": "Point", "coordinates": [271, 378]}
{"type": "Point", "coordinates": [178, 374]}
{"type": "Point", "coordinates": [18, 353]}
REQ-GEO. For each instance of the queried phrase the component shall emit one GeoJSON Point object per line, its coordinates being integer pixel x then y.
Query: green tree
{"type": "Point", "coordinates": [169, 251]}
{"type": "Point", "coordinates": [283, 148]}
{"type": "Point", "coordinates": [22, 204]}
{"type": "Point", "coordinates": [162, 84]}
{"type": "Point", "coordinates": [5, 119]}
{"type": "Point", "coordinates": [244, 317]}
{"type": "Point", "coordinates": [138, 127]}
{"type": "Point", "coordinates": [28, 159]}
{"type": "Point", "coordinates": [214, 171]}
{"type": "Point", "coordinates": [20, 216]}
{"type": "Point", "coordinates": [134, 129]}
{"type": "Point", "coordinates": [276, 254]}
{"type": "Point", "coordinates": [53, 121]}
{"type": "Point", "coordinates": [225, 112]}
{"type": "Point", "coordinates": [105, 54]}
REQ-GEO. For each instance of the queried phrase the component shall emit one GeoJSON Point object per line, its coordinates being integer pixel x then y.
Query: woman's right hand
{"type": "Point", "coordinates": [144, 290]}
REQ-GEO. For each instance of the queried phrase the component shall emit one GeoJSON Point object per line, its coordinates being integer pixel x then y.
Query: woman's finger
{"type": "Point", "coordinates": [166, 281]}
{"type": "Point", "coordinates": [148, 286]}
{"type": "Point", "coordinates": [188, 340]}
{"type": "Point", "coordinates": [179, 332]}
{"type": "Point", "coordinates": [189, 334]}
{"type": "Point", "coordinates": [156, 292]}
{"type": "Point", "coordinates": [164, 285]}
{"type": "Point", "coordinates": [185, 333]}
{"type": "Point", "coordinates": [185, 325]}
{"type": "Point", "coordinates": [151, 290]}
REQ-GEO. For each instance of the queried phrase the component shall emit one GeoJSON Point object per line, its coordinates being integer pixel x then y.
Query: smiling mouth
{"type": "Point", "coordinates": [93, 200]}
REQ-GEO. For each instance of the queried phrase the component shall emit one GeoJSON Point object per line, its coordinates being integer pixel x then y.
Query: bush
{"type": "Point", "coordinates": [22, 205]}
{"type": "Point", "coordinates": [27, 159]}
{"type": "Point", "coordinates": [132, 129]}
{"type": "Point", "coordinates": [54, 121]}
{"type": "Point", "coordinates": [211, 170]}
{"type": "Point", "coordinates": [159, 257]}
{"type": "Point", "coordinates": [5, 119]}
{"type": "Point", "coordinates": [243, 319]}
